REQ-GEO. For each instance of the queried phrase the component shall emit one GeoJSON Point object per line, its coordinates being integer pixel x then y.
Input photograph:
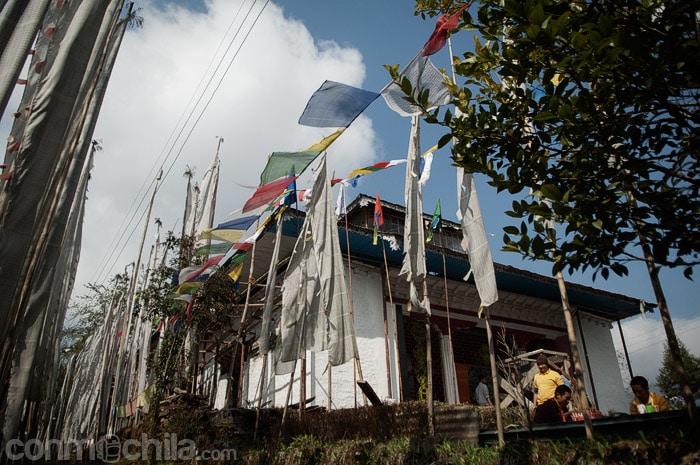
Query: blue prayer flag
{"type": "Point", "coordinates": [335, 105]}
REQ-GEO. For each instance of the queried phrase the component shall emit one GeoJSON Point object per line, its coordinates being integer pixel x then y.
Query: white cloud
{"type": "Point", "coordinates": [255, 109]}
{"type": "Point", "coordinates": [645, 339]}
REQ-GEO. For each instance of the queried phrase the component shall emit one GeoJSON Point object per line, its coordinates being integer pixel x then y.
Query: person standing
{"type": "Point", "coordinates": [645, 401]}
{"type": "Point", "coordinates": [545, 382]}
{"type": "Point", "coordinates": [481, 394]}
{"type": "Point", "coordinates": [556, 409]}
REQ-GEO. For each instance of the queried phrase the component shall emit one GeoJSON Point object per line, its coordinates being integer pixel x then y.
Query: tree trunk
{"type": "Point", "coordinates": [578, 367]}
{"type": "Point", "coordinates": [670, 332]}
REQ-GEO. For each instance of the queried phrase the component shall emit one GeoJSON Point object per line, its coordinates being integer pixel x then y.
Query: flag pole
{"type": "Point", "coordinates": [396, 340]}
{"type": "Point", "coordinates": [386, 338]}
{"type": "Point", "coordinates": [244, 316]}
{"type": "Point", "coordinates": [429, 363]}
{"type": "Point", "coordinates": [122, 392]}
{"type": "Point", "coordinates": [356, 361]}
{"type": "Point", "coordinates": [447, 309]}
{"type": "Point", "coordinates": [289, 393]}
{"type": "Point", "coordinates": [301, 296]}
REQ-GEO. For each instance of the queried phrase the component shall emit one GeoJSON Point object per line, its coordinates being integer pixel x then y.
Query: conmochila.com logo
{"type": "Point", "coordinates": [112, 449]}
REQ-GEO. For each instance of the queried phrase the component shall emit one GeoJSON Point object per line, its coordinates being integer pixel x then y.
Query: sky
{"type": "Point", "coordinates": [243, 71]}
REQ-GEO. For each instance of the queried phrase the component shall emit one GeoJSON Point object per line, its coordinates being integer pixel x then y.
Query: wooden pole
{"type": "Point", "coordinates": [578, 367]}
{"type": "Point", "coordinates": [585, 354]}
{"type": "Point", "coordinates": [301, 297]}
{"type": "Point", "coordinates": [386, 343]}
{"type": "Point", "coordinates": [624, 349]}
{"type": "Point", "coordinates": [239, 390]}
{"type": "Point", "coordinates": [429, 362]}
{"type": "Point", "coordinates": [494, 380]}
{"type": "Point", "coordinates": [396, 339]}
{"type": "Point", "coordinates": [263, 377]}
{"type": "Point", "coordinates": [356, 362]}
{"type": "Point", "coordinates": [449, 325]}
{"type": "Point", "coordinates": [330, 399]}
{"type": "Point", "coordinates": [244, 317]}
{"type": "Point", "coordinates": [302, 386]}
{"type": "Point", "coordinates": [289, 392]}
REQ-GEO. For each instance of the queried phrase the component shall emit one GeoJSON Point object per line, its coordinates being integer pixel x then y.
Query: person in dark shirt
{"type": "Point", "coordinates": [556, 409]}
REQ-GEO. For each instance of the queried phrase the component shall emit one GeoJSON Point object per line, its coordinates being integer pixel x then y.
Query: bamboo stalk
{"type": "Point", "coordinates": [447, 309]}
{"type": "Point", "coordinates": [396, 339]}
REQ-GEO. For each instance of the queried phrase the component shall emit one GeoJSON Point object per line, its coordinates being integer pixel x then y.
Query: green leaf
{"type": "Point", "coordinates": [550, 191]}
{"type": "Point", "coordinates": [544, 116]}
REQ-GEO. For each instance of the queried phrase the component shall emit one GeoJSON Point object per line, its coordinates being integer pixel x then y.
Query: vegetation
{"type": "Point", "coordinates": [587, 113]}
{"type": "Point", "coordinates": [400, 451]}
{"type": "Point", "coordinates": [87, 312]}
{"type": "Point", "coordinates": [591, 109]}
{"type": "Point", "coordinates": [667, 379]}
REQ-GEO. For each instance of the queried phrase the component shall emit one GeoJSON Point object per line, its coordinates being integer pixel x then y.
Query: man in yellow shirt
{"type": "Point", "coordinates": [645, 401]}
{"type": "Point", "coordinates": [545, 382]}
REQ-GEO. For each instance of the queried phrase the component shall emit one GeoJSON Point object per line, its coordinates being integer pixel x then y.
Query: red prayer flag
{"type": "Point", "coordinates": [443, 25]}
{"type": "Point", "coordinates": [214, 260]}
{"type": "Point", "coordinates": [378, 219]}
{"type": "Point", "coordinates": [189, 308]}
{"type": "Point", "coordinates": [267, 193]}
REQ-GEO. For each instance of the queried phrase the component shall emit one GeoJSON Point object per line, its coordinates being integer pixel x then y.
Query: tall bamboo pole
{"type": "Point", "coordinates": [240, 336]}
{"type": "Point", "coordinates": [624, 349]}
{"type": "Point", "coordinates": [429, 362]}
{"type": "Point", "coordinates": [121, 390]}
{"type": "Point", "coordinates": [386, 342]}
{"type": "Point", "coordinates": [494, 380]}
{"type": "Point", "coordinates": [585, 354]}
{"type": "Point", "coordinates": [393, 318]}
{"type": "Point", "coordinates": [578, 367]}
{"type": "Point", "coordinates": [356, 361]}
{"type": "Point", "coordinates": [263, 376]}
{"type": "Point", "coordinates": [447, 309]}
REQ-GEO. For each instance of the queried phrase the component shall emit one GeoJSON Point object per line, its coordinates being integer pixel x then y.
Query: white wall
{"type": "Point", "coordinates": [605, 371]}
{"type": "Point", "coordinates": [367, 299]}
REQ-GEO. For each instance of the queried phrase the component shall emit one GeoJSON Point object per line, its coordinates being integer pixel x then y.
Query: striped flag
{"type": "Point", "coordinates": [356, 173]}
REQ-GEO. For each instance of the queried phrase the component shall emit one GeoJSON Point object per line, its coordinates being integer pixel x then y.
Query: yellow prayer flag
{"type": "Point", "coordinates": [323, 144]}
{"type": "Point", "coordinates": [235, 273]}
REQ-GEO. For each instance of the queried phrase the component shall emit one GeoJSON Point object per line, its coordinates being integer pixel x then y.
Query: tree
{"type": "Point", "coordinates": [86, 314]}
{"type": "Point", "coordinates": [667, 379]}
{"type": "Point", "coordinates": [588, 111]}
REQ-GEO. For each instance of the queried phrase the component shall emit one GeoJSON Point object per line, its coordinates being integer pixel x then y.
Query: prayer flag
{"type": "Point", "coordinates": [290, 195]}
{"type": "Point", "coordinates": [335, 105]}
{"type": "Point", "coordinates": [424, 78]}
{"type": "Point", "coordinates": [281, 163]}
{"type": "Point", "coordinates": [378, 219]}
{"type": "Point", "coordinates": [436, 223]}
{"type": "Point", "coordinates": [189, 287]}
{"type": "Point", "coordinates": [241, 224]}
{"type": "Point", "coordinates": [267, 193]}
{"type": "Point", "coordinates": [443, 25]}
{"type": "Point", "coordinates": [414, 267]}
{"type": "Point", "coordinates": [226, 235]}
{"type": "Point", "coordinates": [235, 272]}
{"type": "Point", "coordinates": [213, 249]}
{"type": "Point", "coordinates": [323, 144]}
{"type": "Point", "coordinates": [371, 169]}
{"type": "Point", "coordinates": [474, 233]}
{"type": "Point", "coordinates": [212, 261]}
{"type": "Point", "coordinates": [229, 231]}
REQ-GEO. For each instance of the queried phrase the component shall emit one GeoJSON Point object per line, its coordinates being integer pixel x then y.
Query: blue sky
{"type": "Point", "coordinates": [158, 90]}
